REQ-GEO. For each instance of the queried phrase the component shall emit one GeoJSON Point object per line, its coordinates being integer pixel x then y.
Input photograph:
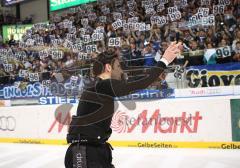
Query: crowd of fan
{"type": "Point", "coordinates": [68, 28]}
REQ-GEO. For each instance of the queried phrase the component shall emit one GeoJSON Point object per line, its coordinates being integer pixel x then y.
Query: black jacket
{"type": "Point", "coordinates": [96, 105]}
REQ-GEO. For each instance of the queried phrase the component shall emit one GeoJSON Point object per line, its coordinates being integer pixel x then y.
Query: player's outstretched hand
{"type": "Point", "coordinates": [172, 51]}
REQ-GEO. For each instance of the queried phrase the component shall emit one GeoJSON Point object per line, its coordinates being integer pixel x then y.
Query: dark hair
{"type": "Point", "coordinates": [107, 57]}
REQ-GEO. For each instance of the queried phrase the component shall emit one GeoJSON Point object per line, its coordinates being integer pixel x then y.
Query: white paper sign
{"type": "Point", "coordinates": [92, 16]}
{"type": "Point", "coordinates": [17, 84]}
{"type": "Point", "coordinates": [148, 27]}
{"type": "Point", "coordinates": [56, 54]}
{"type": "Point", "coordinates": [224, 2]}
{"type": "Point", "coordinates": [142, 27]}
{"type": "Point", "coordinates": [39, 41]}
{"type": "Point", "coordinates": [56, 42]}
{"type": "Point", "coordinates": [33, 77]}
{"type": "Point", "coordinates": [218, 9]}
{"type": "Point", "coordinates": [223, 52]}
{"type": "Point", "coordinates": [175, 16]}
{"type": "Point", "coordinates": [118, 24]}
{"type": "Point", "coordinates": [21, 55]}
{"type": "Point", "coordinates": [91, 48]}
{"type": "Point", "coordinates": [82, 31]}
{"type": "Point", "coordinates": [22, 45]}
{"type": "Point", "coordinates": [103, 19]}
{"type": "Point", "coordinates": [172, 10]}
{"type": "Point", "coordinates": [159, 20]}
{"type": "Point", "coordinates": [51, 26]}
{"type": "Point", "coordinates": [133, 20]}
{"type": "Point", "coordinates": [160, 8]}
{"type": "Point", "coordinates": [114, 42]}
{"type": "Point", "coordinates": [208, 21]}
{"type": "Point", "coordinates": [100, 29]}
{"type": "Point", "coordinates": [77, 47]}
{"type": "Point", "coordinates": [205, 2]}
{"type": "Point", "coordinates": [73, 81]}
{"type": "Point", "coordinates": [8, 67]}
{"type": "Point", "coordinates": [204, 11]}
{"type": "Point", "coordinates": [46, 83]}
{"type": "Point", "coordinates": [23, 73]}
{"type": "Point", "coordinates": [68, 44]}
{"type": "Point", "coordinates": [86, 39]}
{"type": "Point", "coordinates": [117, 16]}
{"type": "Point", "coordinates": [43, 54]}
{"type": "Point", "coordinates": [97, 36]}
{"type": "Point", "coordinates": [67, 24]}
{"type": "Point", "coordinates": [162, 2]}
{"type": "Point", "coordinates": [29, 42]}
{"type": "Point", "coordinates": [71, 37]}
{"type": "Point", "coordinates": [83, 56]}
{"type": "Point", "coordinates": [150, 11]}
{"type": "Point", "coordinates": [183, 3]}
{"type": "Point", "coordinates": [84, 21]}
{"type": "Point", "coordinates": [72, 30]}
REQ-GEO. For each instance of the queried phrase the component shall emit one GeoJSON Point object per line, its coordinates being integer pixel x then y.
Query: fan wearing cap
{"type": "Point", "coordinates": [90, 129]}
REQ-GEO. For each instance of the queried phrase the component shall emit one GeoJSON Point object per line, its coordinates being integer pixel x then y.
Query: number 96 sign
{"type": "Point", "coordinates": [114, 42]}
{"type": "Point", "coordinates": [223, 52]}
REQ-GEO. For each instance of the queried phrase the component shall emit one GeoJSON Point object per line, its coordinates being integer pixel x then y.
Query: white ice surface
{"type": "Point", "coordinates": [46, 156]}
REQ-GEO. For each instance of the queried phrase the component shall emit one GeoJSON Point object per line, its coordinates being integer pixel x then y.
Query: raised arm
{"type": "Point", "coordinates": [120, 88]}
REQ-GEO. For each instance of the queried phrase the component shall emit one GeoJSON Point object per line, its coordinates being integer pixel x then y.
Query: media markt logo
{"type": "Point", "coordinates": [235, 111]}
{"type": "Point", "coordinates": [146, 120]}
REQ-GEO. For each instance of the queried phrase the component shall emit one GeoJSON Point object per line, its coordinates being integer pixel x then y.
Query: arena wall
{"type": "Point", "coordinates": [186, 121]}
{"type": "Point", "coordinates": [38, 8]}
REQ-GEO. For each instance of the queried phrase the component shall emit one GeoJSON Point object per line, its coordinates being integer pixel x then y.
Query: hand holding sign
{"type": "Point", "coordinates": [172, 51]}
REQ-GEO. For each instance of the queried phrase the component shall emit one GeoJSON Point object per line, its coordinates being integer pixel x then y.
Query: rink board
{"type": "Point", "coordinates": [201, 122]}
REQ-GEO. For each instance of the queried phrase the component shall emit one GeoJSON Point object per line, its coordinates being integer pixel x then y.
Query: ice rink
{"type": "Point", "coordinates": [45, 156]}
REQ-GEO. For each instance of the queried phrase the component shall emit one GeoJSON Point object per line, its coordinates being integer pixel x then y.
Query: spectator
{"type": "Point", "coordinates": [148, 54]}
{"type": "Point", "coordinates": [194, 56]}
{"type": "Point", "coordinates": [11, 42]}
{"type": "Point", "coordinates": [198, 40]}
{"type": "Point", "coordinates": [69, 61]}
{"type": "Point", "coordinates": [236, 56]}
{"type": "Point", "coordinates": [237, 38]}
{"type": "Point", "coordinates": [237, 48]}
